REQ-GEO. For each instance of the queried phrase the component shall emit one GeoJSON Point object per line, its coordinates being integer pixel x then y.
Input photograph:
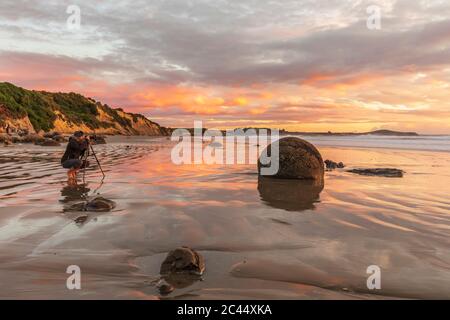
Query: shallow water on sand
{"type": "Point", "coordinates": [260, 239]}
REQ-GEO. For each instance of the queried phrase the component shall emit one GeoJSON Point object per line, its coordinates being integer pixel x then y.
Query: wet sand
{"type": "Point", "coordinates": [260, 239]}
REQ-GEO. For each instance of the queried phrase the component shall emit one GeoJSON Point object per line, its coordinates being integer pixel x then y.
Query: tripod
{"type": "Point", "coordinates": [87, 153]}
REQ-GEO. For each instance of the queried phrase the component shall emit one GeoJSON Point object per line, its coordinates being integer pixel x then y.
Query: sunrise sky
{"type": "Point", "coordinates": [306, 65]}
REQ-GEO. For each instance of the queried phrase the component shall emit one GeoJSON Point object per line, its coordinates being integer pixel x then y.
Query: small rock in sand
{"type": "Point", "coordinates": [164, 287]}
{"type": "Point", "coordinates": [98, 140]}
{"type": "Point", "coordinates": [81, 219]}
{"type": "Point", "coordinates": [100, 204]}
{"type": "Point", "coordinates": [183, 260]}
{"type": "Point", "coordinates": [48, 143]}
{"type": "Point", "coordinates": [331, 165]}
{"type": "Point", "coordinates": [380, 172]}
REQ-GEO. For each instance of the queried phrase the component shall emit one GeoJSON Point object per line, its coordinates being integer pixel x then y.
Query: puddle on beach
{"type": "Point", "coordinates": [261, 238]}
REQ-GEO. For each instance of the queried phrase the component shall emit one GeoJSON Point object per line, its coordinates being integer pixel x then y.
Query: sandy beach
{"type": "Point", "coordinates": [260, 239]}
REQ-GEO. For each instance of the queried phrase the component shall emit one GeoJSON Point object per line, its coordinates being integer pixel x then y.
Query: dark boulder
{"type": "Point", "coordinates": [29, 138]}
{"type": "Point", "coordinates": [98, 140]}
{"type": "Point", "coordinates": [51, 135]}
{"type": "Point", "coordinates": [298, 159]}
{"type": "Point", "coordinates": [48, 143]}
{"type": "Point", "coordinates": [60, 138]}
{"type": "Point", "coordinates": [183, 260]}
{"type": "Point", "coordinates": [380, 172]}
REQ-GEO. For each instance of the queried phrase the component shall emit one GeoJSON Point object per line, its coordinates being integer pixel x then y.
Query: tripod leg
{"type": "Point", "coordinates": [84, 164]}
{"type": "Point", "coordinates": [98, 162]}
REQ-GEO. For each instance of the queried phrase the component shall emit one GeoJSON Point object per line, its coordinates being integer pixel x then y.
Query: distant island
{"type": "Point", "coordinates": [329, 133]}
{"type": "Point", "coordinates": [33, 112]}
{"type": "Point", "coordinates": [302, 133]}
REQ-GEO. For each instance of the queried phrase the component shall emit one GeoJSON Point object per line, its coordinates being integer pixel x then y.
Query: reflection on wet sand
{"type": "Point", "coordinates": [76, 200]}
{"type": "Point", "coordinates": [290, 195]}
{"type": "Point", "coordinates": [77, 192]}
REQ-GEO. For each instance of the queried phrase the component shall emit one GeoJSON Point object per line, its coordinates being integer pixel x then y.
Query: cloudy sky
{"type": "Point", "coordinates": [309, 65]}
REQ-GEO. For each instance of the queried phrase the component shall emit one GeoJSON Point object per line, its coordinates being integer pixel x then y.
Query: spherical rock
{"type": "Point", "coordinates": [183, 260]}
{"type": "Point", "coordinates": [298, 159]}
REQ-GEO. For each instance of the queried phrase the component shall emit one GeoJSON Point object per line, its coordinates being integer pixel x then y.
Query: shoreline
{"type": "Point", "coordinates": [252, 235]}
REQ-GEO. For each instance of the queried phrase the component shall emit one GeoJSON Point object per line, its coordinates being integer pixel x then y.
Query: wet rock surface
{"type": "Point", "coordinates": [98, 204]}
{"type": "Point", "coordinates": [164, 287]}
{"type": "Point", "coordinates": [379, 172]}
{"type": "Point", "coordinates": [298, 159]}
{"type": "Point", "coordinates": [183, 260]}
{"type": "Point", "coordinates": [331, 165]}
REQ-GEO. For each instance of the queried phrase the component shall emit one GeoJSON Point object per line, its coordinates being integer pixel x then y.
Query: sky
{"type": "Point", "coordinates": [303, 65]}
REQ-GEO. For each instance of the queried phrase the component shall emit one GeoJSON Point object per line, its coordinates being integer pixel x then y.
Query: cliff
{"type": "Point", "coordinates": [37, 111]}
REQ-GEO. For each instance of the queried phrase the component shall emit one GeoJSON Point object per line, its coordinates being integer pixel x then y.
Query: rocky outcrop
{"type": "Point", "coordinates": [12, 123]}
{"type": "Point", "coordinates": [67, 113]}
{"type": "Point", "coordinates": [379, 172]}
{"type": "Point", "coordinates": [298, 159]}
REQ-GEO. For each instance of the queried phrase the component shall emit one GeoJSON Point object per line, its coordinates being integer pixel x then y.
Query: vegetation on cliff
{"type": "Point", "coordinates": [44, 108]}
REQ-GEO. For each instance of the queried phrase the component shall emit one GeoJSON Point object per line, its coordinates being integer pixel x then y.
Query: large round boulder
{"type": "Point", "coordinates": [297, 158]}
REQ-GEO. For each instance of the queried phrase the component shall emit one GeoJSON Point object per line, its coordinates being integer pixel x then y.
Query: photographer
{"type": "Point", "coordinates": [72, 158]}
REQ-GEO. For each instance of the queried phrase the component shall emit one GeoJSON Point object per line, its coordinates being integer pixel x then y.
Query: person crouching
{"type": "Point", "coordinates": [75, 150]}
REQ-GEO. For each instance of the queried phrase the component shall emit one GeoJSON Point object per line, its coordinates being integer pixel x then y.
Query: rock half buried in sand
{"type": "Point", "coordinates": [98, 204]}
{"type": "Point", "coordinates": [183, 260]}
{"type": "Point", "coordinates": [331, 165]}
{"type": "Point", "coordinates": [380, 172]}
{"type": "Point", "coordinates": [298, 159]}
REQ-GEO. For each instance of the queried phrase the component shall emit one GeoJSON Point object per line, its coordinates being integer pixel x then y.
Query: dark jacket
{"type": "Point", "coordinates": [74, 150]}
